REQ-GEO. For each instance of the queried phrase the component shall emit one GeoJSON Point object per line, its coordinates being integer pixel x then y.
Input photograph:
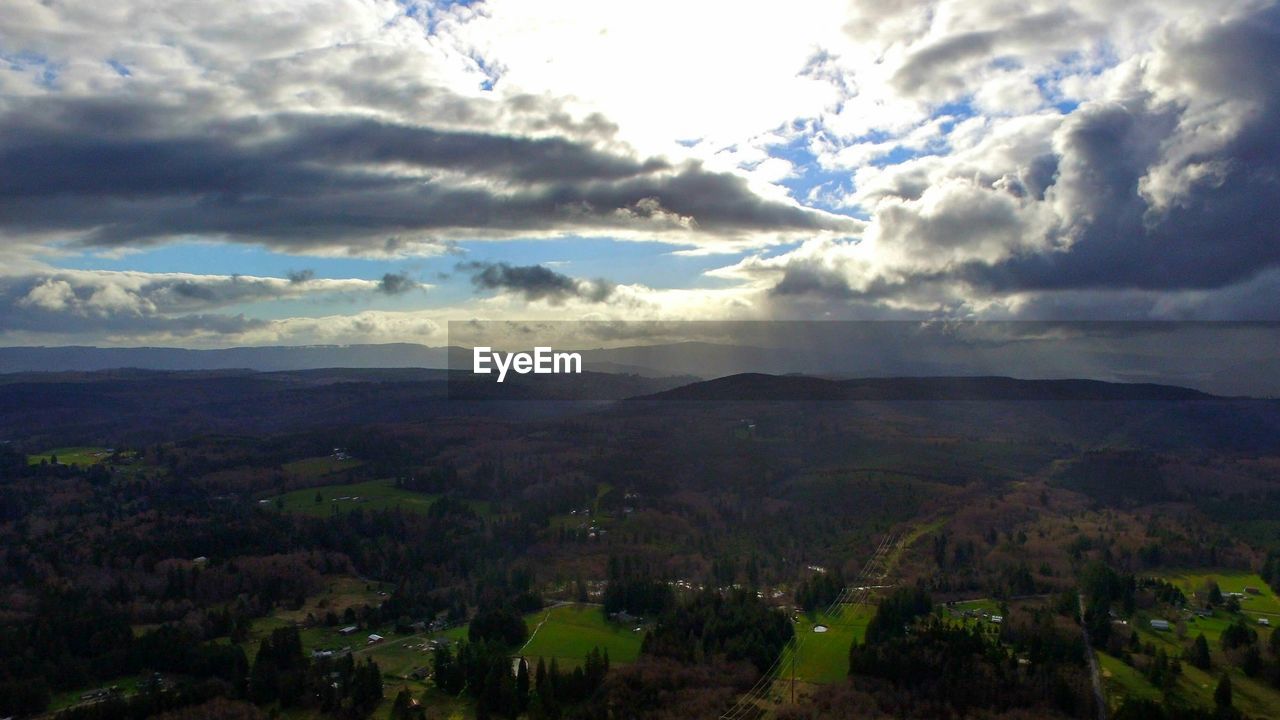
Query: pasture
{"type": "Point", "coordinates": [82, 456]}
{"type": "Point", "coordinates": [369, 495]}
{"type": "Point", "coordinates": [1252, 696]}
{"type": "Point", "coordinates": [568, 632]}
{"type": "Point", "coordinates": [823, 657]}
{"type": "Point", "coordinates": [1229, 581]}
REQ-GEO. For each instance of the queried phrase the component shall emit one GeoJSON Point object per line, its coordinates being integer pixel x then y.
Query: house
{"type": "Point", "coordinates": [1265, 622]}
{"type": "Point", "coordinates": [997, 619]}
{"type": "Point", "coordinates": [348, 630]}
{"type": "Point", "coordinates": [1252, 590]}
{"type": "Point", "coordinates": [375, 638]}
{"type": "Point", "coordinates": [1159, 624]}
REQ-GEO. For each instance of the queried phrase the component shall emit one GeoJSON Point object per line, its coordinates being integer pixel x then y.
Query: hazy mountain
{"type": "Point", "coordinates": [761, 387]}
{"type": "Point", "coordinates": [77, 358]}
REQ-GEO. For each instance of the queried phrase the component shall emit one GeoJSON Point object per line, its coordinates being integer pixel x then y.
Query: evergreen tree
{"type": "Point", "coordinates": [1222, 693]}
{"type": "Point", "coordinates": [522, 686]}
{"type": "Point", "coordinates": [1198, 654]}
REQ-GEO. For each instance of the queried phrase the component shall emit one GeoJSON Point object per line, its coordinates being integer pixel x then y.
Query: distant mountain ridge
{"type": "Point", "coordinates": [759, 387]}
{"type": "Point", "coordinates": [267, 358]}
{"type": "Point", "coordinates": [700, 360]}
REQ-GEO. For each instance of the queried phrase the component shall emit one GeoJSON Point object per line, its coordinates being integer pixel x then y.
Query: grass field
{"type": "Point", "coordinates": [568, 632]}
{"type": "Point", "coordinates": [340, 593]}
{"type": "Point", "coordinates": [1252, 696]}
{"type": "Point", "coordinates": [127, 685]}
{"type": "Point", "coordinates": [824, 657]}
{"type": "Point", "coordinates": [370, 495]}
{"type": "Point", "coordinates": [82, 456]}
{"type": "Point", "coordinates": [1121, 681]}
{"type": "Point", "coordinates": [1189, 581]}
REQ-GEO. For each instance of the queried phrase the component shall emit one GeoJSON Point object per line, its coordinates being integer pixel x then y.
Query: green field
{"type": "Point", "coordinates": [568, 632]}
{"type": "Point", "coordinates": [1252, 696]}
{"type": "Point", "coordinates": [1190, 581]}
{"type": "Point", "coordinates": [824, 657]}
{"type": "Point", "coordinates": [127, 685]}
{"type": "Point", "coordinates": [82, 456]}
{"type": "Point", "coordinates": [369, 495]}
{"type": "Point", "coordinates": [1121, 681]}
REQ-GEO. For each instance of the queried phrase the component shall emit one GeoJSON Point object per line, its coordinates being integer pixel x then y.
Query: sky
{"type": "Point", "coordinates": [298, 172]}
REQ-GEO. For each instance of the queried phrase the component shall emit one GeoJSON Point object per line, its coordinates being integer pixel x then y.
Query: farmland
{"type": "Point", "coordinates": [823, 657]}
{"type": "Point", "coordinates": [325, 500]}
{"type": "Point", "coordinates": [568, 632]}
{"type": "Point", "coordinates": [1252, 695]}
{"type": "Point", "coordinates": [1229, 581]}
{"type": "Point", "coordinates": [81, 456]}
{"type": "Point", "coordinates": [369, 495]}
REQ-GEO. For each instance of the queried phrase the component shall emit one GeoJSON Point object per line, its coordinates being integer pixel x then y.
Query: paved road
{"type": "Point", "coordinates": [1099, 698]}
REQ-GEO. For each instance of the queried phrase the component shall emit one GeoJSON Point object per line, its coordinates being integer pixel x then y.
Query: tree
{"type": "Point", "coordinates": [264, 677]}
{"type": "Point", "coordinates": [501, 624]}
{"type": "Point", "coordinates": [1238, 634]}
{"type": "Point", "coordinates": [522, 685]}
{"type": "Point", "coordinates": [1198, 653]}
{"type": "Point", "coordinates": [1222, 693]}
{"type": "Point", "coordinates": [895, 612]}
{"type": "Point", "coordinates": [447, 671]}
{"type": "Point", "coordinates": [400, 707]}
{"type": "Point", "coordinates": [366, 686]}
{"type": "Point", "coordinates": [1251, 663]}
{"type": "Point", "coordinates": [1213, 593]}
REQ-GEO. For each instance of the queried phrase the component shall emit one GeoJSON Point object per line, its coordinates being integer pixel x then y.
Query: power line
{"type": "Point", "coordinates": [749, 701]}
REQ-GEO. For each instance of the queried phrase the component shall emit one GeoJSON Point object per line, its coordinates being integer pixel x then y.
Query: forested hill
{"type": "Point", "coordinates": [761, 387]}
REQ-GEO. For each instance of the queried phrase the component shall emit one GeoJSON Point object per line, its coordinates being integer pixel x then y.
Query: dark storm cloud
{"type": "Point", "coordinates": [1146, 207]}
{"type": "Point", "coordinates": [397, 284]}
{"type": "Point", "coordinates": [1220, 231]}
{"type": "Point", "coordinates": [805, 276]}
{"type": "Point", "coordinates": [535, 282]}
{"type": "Point", "coordinates": [122, 174]}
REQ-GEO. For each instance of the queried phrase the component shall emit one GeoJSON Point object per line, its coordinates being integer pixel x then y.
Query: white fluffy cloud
{"type": "Point", "coordinates": [980, 157]}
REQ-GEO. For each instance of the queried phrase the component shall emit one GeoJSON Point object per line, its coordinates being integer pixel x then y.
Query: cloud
{"type": "Point", "coordinates": [972, 157]}
{"type": "Point", "coordinates": [535, 282]}
{"type": "Point", "coordinates": [1155, 200]}
{"type": "Point", "coordinates": [109, 174]}
{"type": "Point", "coordinates": [64, 301]}
{"type": "Point", "coordinates": [397, 284]}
